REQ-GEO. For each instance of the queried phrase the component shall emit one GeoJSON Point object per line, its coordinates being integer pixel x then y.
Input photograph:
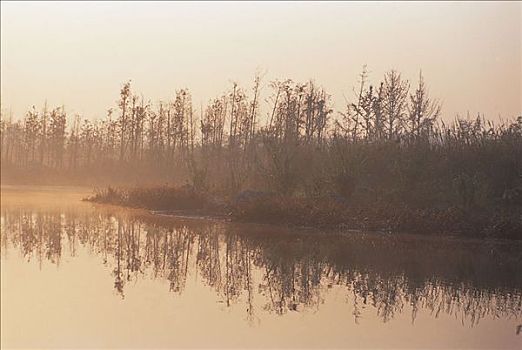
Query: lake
{"type": "Point", "coordinates": [79, 275]}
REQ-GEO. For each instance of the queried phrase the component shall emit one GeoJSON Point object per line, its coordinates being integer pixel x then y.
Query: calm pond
{"type": "Point", "coordinates": [75, 274]}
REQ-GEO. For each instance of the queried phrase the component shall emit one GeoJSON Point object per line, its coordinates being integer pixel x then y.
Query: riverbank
{"type": "Point", "coordinates": [326, 212]}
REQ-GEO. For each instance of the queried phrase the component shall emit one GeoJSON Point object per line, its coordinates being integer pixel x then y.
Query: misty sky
{"type": "Point", "coordinates": [79, 54]}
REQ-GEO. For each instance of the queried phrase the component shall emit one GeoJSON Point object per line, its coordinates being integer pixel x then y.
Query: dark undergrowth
{"type": "Point", "coordinates": [323, 212]}
{"type": "Point", "coordinates": [155, 198]}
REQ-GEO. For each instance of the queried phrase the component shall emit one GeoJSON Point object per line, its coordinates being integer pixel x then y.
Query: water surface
{"type": "Point", "coordinates": [74, 274]}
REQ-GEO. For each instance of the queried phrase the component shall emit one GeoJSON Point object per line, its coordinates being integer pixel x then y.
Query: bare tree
{"type": "Point", "coordinates": [125, 97]}
{"type": "Point", "coordinates": [395, 94]}
{"type": "Point", "coordinates": [422, 111]}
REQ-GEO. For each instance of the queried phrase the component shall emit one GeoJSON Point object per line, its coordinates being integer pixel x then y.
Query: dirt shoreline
{"type": "Point", "coordinates": [335, 218]}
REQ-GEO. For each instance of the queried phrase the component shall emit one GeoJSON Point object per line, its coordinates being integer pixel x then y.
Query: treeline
{"type": "Point", "coordinates": [388, 145]}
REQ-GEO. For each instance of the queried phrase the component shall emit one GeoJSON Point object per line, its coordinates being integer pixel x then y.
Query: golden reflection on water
{"type": "Point", "coordinates": [78, 275]}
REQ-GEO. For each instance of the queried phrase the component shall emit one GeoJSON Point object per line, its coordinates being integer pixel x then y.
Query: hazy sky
{"type": "Point", "coordinates": [78, 54]}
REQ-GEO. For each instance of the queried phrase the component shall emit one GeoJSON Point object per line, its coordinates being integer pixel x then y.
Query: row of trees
{"type": "Point", "coordinates": [389, 133]}
{"type": "Point", "coordinates": [169, 131]}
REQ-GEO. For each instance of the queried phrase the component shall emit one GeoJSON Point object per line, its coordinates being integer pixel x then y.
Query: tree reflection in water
{"type": "Point", "coordinates": [289, 272]}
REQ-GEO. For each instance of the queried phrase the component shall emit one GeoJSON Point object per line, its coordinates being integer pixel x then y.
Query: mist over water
{"type": "Point", "coordinates": [92, 273]}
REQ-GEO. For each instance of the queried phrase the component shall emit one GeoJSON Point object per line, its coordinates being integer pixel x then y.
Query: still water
{"type": "Point", "coordinates": [74, 274]}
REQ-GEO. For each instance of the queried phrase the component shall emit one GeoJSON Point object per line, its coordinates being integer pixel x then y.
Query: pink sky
{"type": "Point", "coordinates": [79, 54]}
